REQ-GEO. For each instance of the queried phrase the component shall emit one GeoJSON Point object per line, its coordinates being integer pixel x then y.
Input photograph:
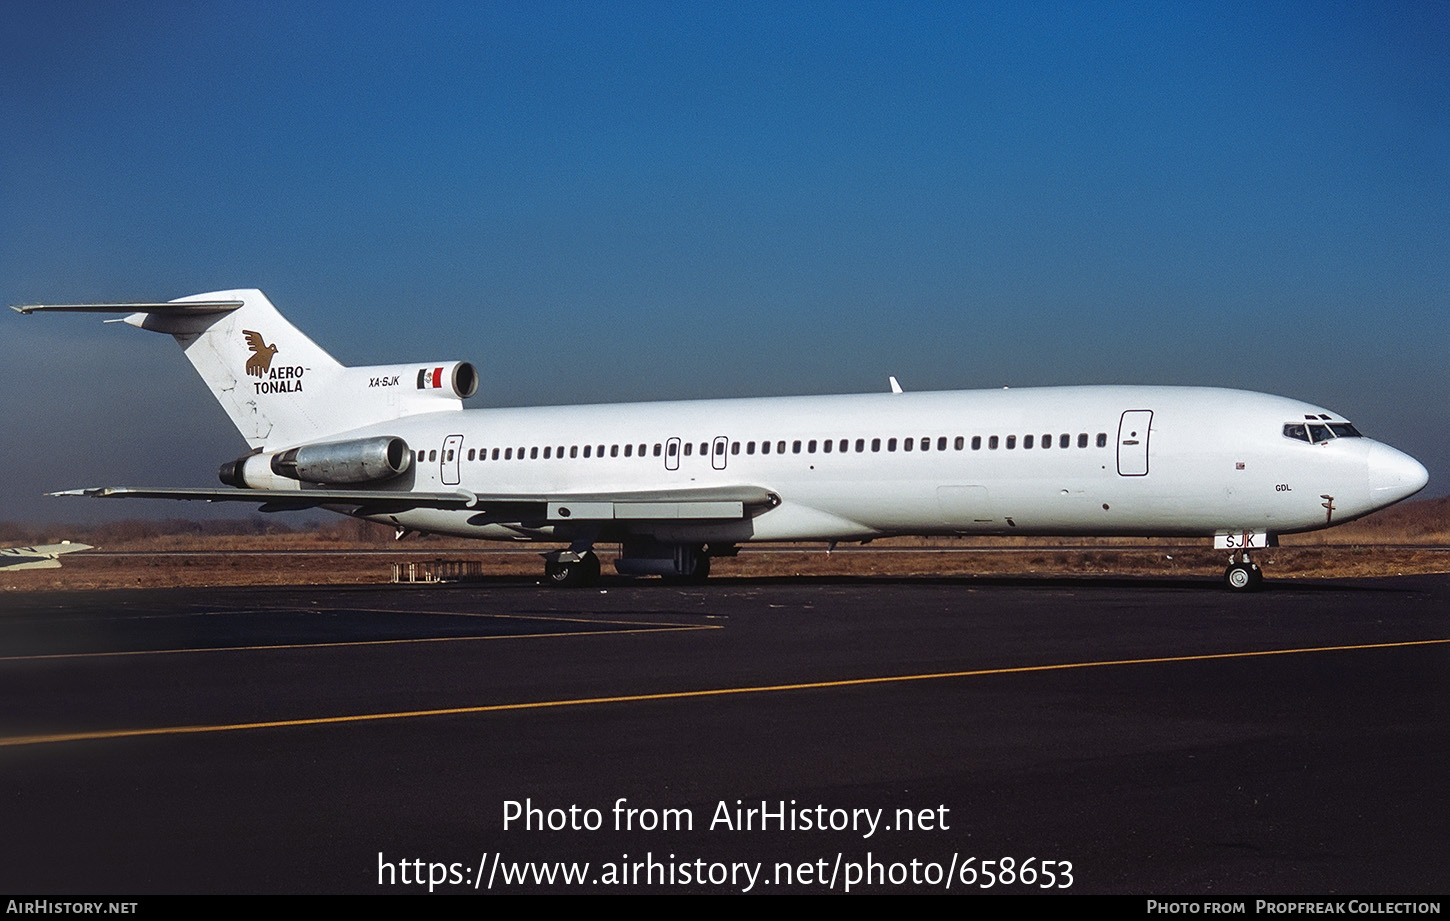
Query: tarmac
{"type": "Point", "coordinates": [747, 735]}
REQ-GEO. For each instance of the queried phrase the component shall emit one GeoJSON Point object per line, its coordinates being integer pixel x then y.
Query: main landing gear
{"type": "Point", "coordinates": [570, 569]}
{"type": "Point", "coordinates": [1243, 574]}
{"type": "Point", "coordinates": [677, 563]}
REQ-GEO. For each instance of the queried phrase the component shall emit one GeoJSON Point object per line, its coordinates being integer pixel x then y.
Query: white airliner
{"type": "Point", "coordinates": [41, 556]}
{"type": "Point", "coordinates": [678, 483]}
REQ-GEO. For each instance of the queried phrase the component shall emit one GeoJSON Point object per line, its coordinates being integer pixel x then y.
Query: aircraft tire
{"type": "Point", "coordinates": [699, 574]}
{"type": "Point", "coordinates": [1243, 577]}
{"type": "Point", "coordinates": [573, 575]}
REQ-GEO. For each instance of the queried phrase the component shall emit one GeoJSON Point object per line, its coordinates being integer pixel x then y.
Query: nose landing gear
{"type": "Point", "coordinates": [1243, 574]}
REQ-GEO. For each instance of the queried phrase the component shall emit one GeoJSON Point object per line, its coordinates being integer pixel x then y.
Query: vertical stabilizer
{"type": "Point", "coordinates": [279, 387]}
{"type": "Point", "coordinates": [272, 380]}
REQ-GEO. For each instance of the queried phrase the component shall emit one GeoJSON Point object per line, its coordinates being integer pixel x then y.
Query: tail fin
{"type": "Point", "coordinates": [278, 386]}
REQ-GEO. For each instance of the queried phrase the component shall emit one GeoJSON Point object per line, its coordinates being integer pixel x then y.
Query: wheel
{"type": "Point", "coordinates": [1243, 577]}
{"type": "Point", "coordinates": [700, 571]}
{"type": "Point", "coordinates": [573, 574]}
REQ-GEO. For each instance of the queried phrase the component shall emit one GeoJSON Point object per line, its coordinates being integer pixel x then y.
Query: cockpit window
{"type": "Point", "coordinates": [1319, 432]}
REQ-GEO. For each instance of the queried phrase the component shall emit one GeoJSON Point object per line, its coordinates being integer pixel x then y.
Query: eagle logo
{"type": "Point", "coordinates": [262, 353]}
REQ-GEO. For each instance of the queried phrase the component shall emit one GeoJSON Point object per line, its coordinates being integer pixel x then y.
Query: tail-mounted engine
{"type": "Point", "coordinates": [413, 387]}
{"type": "Point", "coordinates": [365, 460]}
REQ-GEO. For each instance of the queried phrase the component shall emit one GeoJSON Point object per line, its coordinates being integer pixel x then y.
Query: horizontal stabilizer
{"type": "Point", "coordinates": [175, 308]}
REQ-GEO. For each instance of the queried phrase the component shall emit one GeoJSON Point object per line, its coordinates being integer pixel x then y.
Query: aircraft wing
{"type": "Point", "coordinates": [44, 556]}
{"type": "Point", "coordinates": [727, 502]}
{"type": "Point", "coordinates": [284, 500]}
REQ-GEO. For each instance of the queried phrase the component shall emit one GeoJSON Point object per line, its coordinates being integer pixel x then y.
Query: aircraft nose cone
{"type": "Point", "coordinates": [1393, 475]}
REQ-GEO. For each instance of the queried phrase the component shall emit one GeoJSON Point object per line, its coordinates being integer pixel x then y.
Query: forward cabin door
{"type": "Point", "coordinates": [1133, 432]}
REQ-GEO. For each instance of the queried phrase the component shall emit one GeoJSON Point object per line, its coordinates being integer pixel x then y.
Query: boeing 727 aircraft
{"type": "Point", "coordinates": [678, 483]}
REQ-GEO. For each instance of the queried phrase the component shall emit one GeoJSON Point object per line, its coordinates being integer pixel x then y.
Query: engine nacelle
{"type": "Point", "coordinates": [366, 460]}
{"type": "Point", "coordinates": [414, 387]}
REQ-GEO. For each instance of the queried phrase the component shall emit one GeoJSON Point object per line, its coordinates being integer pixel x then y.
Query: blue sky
{"type": "Point", "coordinates": [619, 201]}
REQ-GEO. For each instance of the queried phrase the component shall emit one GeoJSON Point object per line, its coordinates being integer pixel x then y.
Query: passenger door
{"type": "Point", "coordinates": [1133, 432]}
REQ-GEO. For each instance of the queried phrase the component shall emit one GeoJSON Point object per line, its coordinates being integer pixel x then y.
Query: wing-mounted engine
{"type": "Point", "coordinates": [363, 460]}
{"type": "Point", "coordinates": [413, 388]}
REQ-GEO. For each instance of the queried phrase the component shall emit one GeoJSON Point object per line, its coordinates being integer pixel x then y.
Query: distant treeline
{"type": "Point", "coordinates": [132, 531]}
{"type": "Point", "coordinates": [1420, 522]}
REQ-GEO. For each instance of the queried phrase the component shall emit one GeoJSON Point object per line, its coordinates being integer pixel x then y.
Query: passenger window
{"type": "Point", "coordinates": [976, 442]}
{"type": "Point", "coordinates": [876, 444]}
{"type": "Point", "coordinates": [533, 453]}
{"type": "Point", "coordinates": [1047, 440]}
{"type": "Point", "coordinates": [811, 446]}
{"type": "Point", "coordinates": [959, 443]}
{"type": "Point", "coordinates": [780, 447]}
{"type": "Point", "coordinates": [906, 444]}
{"type": "Point", "coordinates": [941, 444]}
{"type": "Point", "coordinates": [548, 451]}
{"type": "Point", "coordinates": [1102, 439]}
{"type": "Point", "coordinates": [508, 453]}
{"type": "Point", "coordinates": [795, 447]}
{"type": "Point", "coordinates": [587, 449]}
{"type": "Point", "coordinates": [765, 447]}
{"type": "Point", "coordinates": [992, 443]}
{"type": "Point", "coordinates": [826, 445]}
{"type": "Point", "coordinates": [657, 450]}
{"type": "Point", "coordinates": [629, 450]}
{"type": "Point", "coordinates": [860, 445]}
{"type": "Point", "coordinates": [495, 453]}
{"type": "Point", "coordinates": [1082, 440]}
{"type": "Point", "coordinates": [573, 450]}
{"type": "Point", "coordinates": [1064, 441]}
{"type": "Point", "coordinates": [891, 444]}
{"type": "Point", "coordinates": [614, 450]}
{"type": "Point", "coordinates": [734, 447]}
{"type": "Point", "coordinates": [1011, 442]}
{"type": "Point", "coordinates": [1026, 441]}
{"type": "Point", "coordinates": [689, 448]}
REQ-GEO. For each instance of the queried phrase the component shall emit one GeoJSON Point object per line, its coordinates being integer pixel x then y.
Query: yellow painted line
{"type": "Point", "coordinates": [661, 628]}
{"type": "Point", "coordinates": [681, 695]}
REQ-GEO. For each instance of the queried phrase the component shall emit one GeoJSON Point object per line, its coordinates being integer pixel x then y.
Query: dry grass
{"type": "Point", "coordinates": [1395, 541]}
